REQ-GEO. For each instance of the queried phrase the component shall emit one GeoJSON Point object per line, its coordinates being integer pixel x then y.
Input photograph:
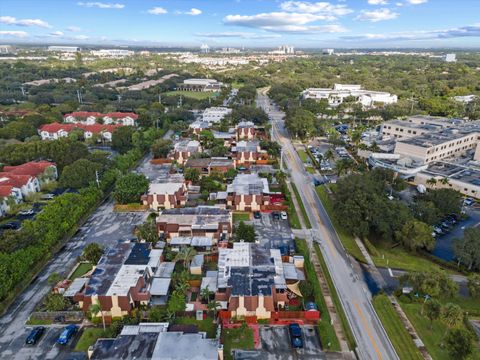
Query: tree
{"type": "Point", "coordinates": [213, 305]}
{"type": "Point", "coordinates": [432, 182]}
{"type": "Point", "coordinates": [416, 235]}
{"type": "Point", "coordinates": [147, 231]}
{"type": "Point", "coordinates": [300, 123]}
{"type": "Point", "coordinates": [122, 139]}
{"type": "Point", "coordinates": [96, 308]}
{"type": "Point", "coordinates": [129, 188]}
{"type": "Point", "coordinates": [434, 284]}
{"type": "Point", "coordinates": [433, 310]}
{"type": "Point", "coordinates": [205, 295]}
{"type": "Point", "coordinates": [306, 289]}
{"type": "Point", "coordinates": [92, 253]}
{"type": "Point", "coordinates": [459, 343]}
{"type": "Point", "coordinates": [244, 232]}
{"type": "Point", "coordinates": [344, 166]}
{"type": "Point", "coordinates": [55, 302]}
{"type": "Point", "coordinates": [80, 174]}
{"type": "Point", "coordinates": [447, 201]}
{"type": "Point", "coordinates": [452, 315]}
{"type": "Point", "coordinates": [467, 250]}
{"type": "Point", "coordinates": [176, 302]}
{"type": "Point", "coordinates": [161, 148]}
{"type": "Point", "coordinates": [186, 255]}
{"type": "Point", "coordinates": [157, 314]}
{"type": "Point", "coordinates": [192, 174]}
{"type": "Point", "coordinates": [426, 211]}
{"type": "Point", "coordinates": [474, 285]}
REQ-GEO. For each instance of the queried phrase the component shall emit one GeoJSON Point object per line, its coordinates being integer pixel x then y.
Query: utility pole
{"type": "Point", "coordinates": [96, 178]}
{"type": "Point", "coordinates": [79, 96]}
{"type": "Point", "coordinates": [23, 90]}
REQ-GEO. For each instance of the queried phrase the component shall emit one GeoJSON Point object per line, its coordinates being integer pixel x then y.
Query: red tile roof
{"type": "Point", "coordinates": [32, 168]}
{"type": "Point", "coordinates": [98, 128]}
{"type": "Point", "coordinates": [116, 115]}
{"type": "Point", "coordinates": [120, 115]}
{"type": "Point", "coordinates": [95, 128]}
{"type": "Point", "coordinates": [5, 190]}
{"type": "Point", "coordinates": [14, 180]}
{"type": "Point", "coordinates": [56, 127]}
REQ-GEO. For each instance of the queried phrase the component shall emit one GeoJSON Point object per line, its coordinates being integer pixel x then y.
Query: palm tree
{"type": "Point", "coordinates": [205, 294]}
{"type": "Point", "coordinates": [445, 181]}
{"type": "Point", "coordinates": [432, 182]}
{"type": "Point", "coordinates": [95, 309]}
{"type": "Point", "coordinates": [452, 315]}
{"type": "Point", "coordinates": [213, 306]}
{"type": "Point", "coordinates": [186, 255]}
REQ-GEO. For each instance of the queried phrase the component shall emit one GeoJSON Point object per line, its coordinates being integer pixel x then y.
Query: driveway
{"type": "Point", "coordinates": [273, 233]}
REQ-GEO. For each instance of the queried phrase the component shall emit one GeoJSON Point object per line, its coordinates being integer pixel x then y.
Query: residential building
{"type": "Point", "coordinates": [215, 114]}
{"type": "Point", "coordinates": [245, 130]}
{"type": "Point", "coordinates": [182, 150]}
{"type": "Point", "coordinates": [202, 85]}
{"type": "Point", "coordinates": [7, 49]}
{"type": "Point", "coordinates": [340, 92]}
{"type": "Point", "coordinates": [9, 192]}
{"type": "Point", "coordinates": [43, 170]}
{"type": "Point", "coordinates": [283, 50]}
{"type": "Point", "coordinates": [251, 281]}
{"type": "Point", "coordinates": [91, 118]}
{"type": "Point", "coordinates": [248, 152]}
{"type": "Point", "coordinates": [121, 280]}
{"type": "Point", "coordinates": [166, 192]}
{"type": "Point", "coordinates": [248, 192]}
{"type": "Point", "coordinates": [154, 341]}
{"type": "Point", "coordinates": [450, 58]}
{"type": "Point", "coordinates": [206, 166]}
{"type": "Point", "coordinates": [208, 221]}
{"type": "Point", "coordinates": [328, 51]}
{"type": "Point", "coordinates": [27, 184]}
{"type": "Point", "coordinates": [198, 126]}
{"type": "Point", "coordinates": [56, 131]}
{"type": "Point", "coordinates": [228, 137]}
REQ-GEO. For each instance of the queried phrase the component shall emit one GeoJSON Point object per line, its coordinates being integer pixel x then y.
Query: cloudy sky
{"type": "Point", "coordinates": [339, 23]}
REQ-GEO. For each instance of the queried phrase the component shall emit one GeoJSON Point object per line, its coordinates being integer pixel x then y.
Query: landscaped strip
{"type": "Point", "coordinates": [336, 300]}
{"type": "Point", "coordinates": [347, 240]}
{"type": "Point", "coordinates": [89, 337]}
{"type": "Point", "coordinates": [328, 337]}
{"type": "Point", "coordinates": [400, 338]}
{"type": "Point", "coordinates": [302, 207]}
{"type": "Point", "coordinates": [238, 338]}
{"type": "Point", "coordinates": [293, 219]}
{"type": "Point", "coordinates": [241, 216]}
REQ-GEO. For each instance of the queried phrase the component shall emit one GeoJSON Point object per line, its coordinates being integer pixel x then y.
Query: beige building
{"type": "Point", "coordinates": [248, 192]}
{"type": "Point", "coordinates": [415, 126]}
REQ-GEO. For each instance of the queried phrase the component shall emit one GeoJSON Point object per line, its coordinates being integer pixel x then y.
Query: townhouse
{"type": "Point", "coordinates": [184, 149]}
{"type": "Point", "coordinates": [248, 152]}
{"type": "Point", "coordinates": [248, 192]}
{"type": "Point", "coordinates": [56, 131]}
{"type": "Point", "coordinates": [206, 166]}
{"type": "Point", "coordinates": [245, 130]}
{"type": "Point", "coordinates": [166, 192]}
{"type": "Point", "coordinates": [90, 118]}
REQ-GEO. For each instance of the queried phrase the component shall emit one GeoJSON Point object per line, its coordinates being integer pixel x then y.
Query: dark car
{"type": "Point", "coordinates": [34, 335]}
{"type": "Point", "coordinates": [276, 216]}
{"type": "Point", "coordinates": [67, 334]}
{"type": "Point", "coordinates": [257, 215]}
{"type": "Point", "coordinates": [295, 335]}
{"type": "Point", "coordinates": [12, 225]}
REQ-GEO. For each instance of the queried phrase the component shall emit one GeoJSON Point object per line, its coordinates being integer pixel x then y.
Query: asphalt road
{"type": "Point", "coordinates": [372, 341]}
{"type": "Point", "coordinates": [104, 227]}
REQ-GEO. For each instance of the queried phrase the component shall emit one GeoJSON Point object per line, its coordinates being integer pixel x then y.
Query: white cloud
{"type": "Point", "coordinates": [157, 11]}
{"type": "Point", "coordinates": [102, 5]}
{"type": "Point", "coordinates": [74, 29]}
{"type": "Point", "coordinates": [238, 34]}
{"type": "Point", "coordinates": [56, 34]}
{"type": "Point", "coordinates": [81, 37]}
{"type": "Point", "coordinates": [324, 8]}
{"type": "Point", "coordinates": [194, 12]}
{"type": "Point", "coordinates": [376, 15]}
{"type": "Point", "coordinates": [20, 34]}
{"type": "Point", "coordinates": [399, 4]}
{"type": "Point", "coordinates": [464, 31]}
{"type": "Point", "coordinates": [377, 2]}
{"type": "Point", "coordinates": [10, 20]}
{"type": "Point", "coordinates": [417, 2]}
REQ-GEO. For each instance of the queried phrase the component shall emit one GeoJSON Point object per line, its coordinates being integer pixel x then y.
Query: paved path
{"type": "Point", "coordinates": [371, 338]}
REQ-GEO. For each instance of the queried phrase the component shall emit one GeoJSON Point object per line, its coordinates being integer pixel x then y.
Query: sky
{"type": "Point", "coordinates": [249, 23]}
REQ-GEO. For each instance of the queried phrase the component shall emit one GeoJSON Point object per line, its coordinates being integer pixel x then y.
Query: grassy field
{"type": "Point", "coordinates": [239, 338]}
{"type": "Point", "coordinates": [325, 329]}
{"type": "Point", "coordinates": [241, 216]}
{"type": "Point", "coordinates": [293, 219]}
{"type": "Point", "coordinates": [303, 155]}
{"type": "Point", "coordinates": [347, 240]}
{"type": "Point", "coordinates": [397, 333]}
{"type": "Point", "coordinates": [432, 336]}
{"type": "Point", "coordinates": [302, 207]}
{"type": "Point", "coordinates": [81, 270]}
{"type": "Point", "coordinates": [206, 325]}
{"type": "Point", "coordinates": [310, 170]}
{"type": "Point", "coordinates": [336, 300]}
{"type": "Point", "coordinates": [88, 338]}
{"type": "Point", "coordinates": [197, 95]}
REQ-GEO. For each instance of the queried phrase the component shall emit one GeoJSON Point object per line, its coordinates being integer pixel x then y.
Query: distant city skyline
{"type": "Point", "coordinates": [249, 23]}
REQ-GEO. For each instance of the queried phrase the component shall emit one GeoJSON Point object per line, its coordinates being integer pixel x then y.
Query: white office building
{"type": "Point", "coordinates": [215, 114]}
{"type": "Point", "coordinates": [68, 49]}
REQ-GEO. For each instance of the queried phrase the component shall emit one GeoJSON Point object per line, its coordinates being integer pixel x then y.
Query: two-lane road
{"type": "Point", "coordinates": [372, 341]}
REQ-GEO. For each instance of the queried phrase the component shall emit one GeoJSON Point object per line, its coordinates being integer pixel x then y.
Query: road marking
{"type": "Point", "coordinates": [367, 328]}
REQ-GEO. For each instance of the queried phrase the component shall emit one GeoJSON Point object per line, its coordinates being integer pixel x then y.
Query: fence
{"type": "Point", "coordinates": [160, 161]}
{"type": "Point", "coordinates": [58, 316]}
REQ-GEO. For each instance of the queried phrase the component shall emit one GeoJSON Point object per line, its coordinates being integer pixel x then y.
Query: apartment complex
{"type": "Point", "coordinates": [91, 118]}
{"type": "Point", "coordinates": [166, 192]}
{"type": "Point", "coordinates": [245, 130]}
{"type": "Point", "coordinates": [206, 166]}
{"type": "Point", "coordinates": [215, 114]}
{"type": "Point", "coordinates": [56, 131]}
{"type": "Point", "coordinates": [248, 192]}
{"type": "Point", "coordinates": [184, 149]}
{"type": "Point", "coordinates": [340, 92]}
{"type": "Point", "coordinates": [203, 221]}
{"type": "Point", "coordinates": [248, 152]}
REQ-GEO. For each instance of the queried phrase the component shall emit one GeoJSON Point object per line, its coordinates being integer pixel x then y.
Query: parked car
{"type": "Point", "coordinates": [257, 215]}
{"type": "Point", "coordinates": [284, 216]}
{"type": "Point", "coordinates": [26, 212]}
{"type": "Point", "coordinates": [295, 335]}
{"type": "Point", "coordinates": [34, 335]}
{"type": "Point", "coordinates": [468, 201]}
{"type": "Point", "coordinates": [67, 334]}
{"type": "Point", "coordinates": [48, 196]}
{"type": "Point", "coordinates": [276, 216]}
{"type": "Point", "coordinates": [11, 225]}
{"type": "Point", "coordinates": [438, 230]}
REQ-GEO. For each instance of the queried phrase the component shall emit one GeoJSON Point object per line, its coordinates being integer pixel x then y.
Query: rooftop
{"type": "Point", "coordinates": [181, 346]}
{"type": "Point", "coordinates": [454, 172]}
{"type": "Point", "coordinates": [246, 146]}
{"type": "Point", "coordinates": [248, 184]}
{"type": "Point", "coordinates": [197, 217]}
{"type": "Point", "coordinates": [187, 146]}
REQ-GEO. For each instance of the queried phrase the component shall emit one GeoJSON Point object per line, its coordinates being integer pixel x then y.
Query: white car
{"type": "Point", "coordinates": [283, 215]}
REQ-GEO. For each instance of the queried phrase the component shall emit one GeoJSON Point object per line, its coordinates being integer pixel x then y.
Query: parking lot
{"type": "Point", "coordinates": [273, 233]}
{"type": "Point", "coordinates": [276, 345]}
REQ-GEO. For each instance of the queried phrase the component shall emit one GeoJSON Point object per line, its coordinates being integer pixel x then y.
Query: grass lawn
{"type": "Point", "coordinates": [237, 85]}
{"type": "Point", "coordinates": [241, 216]}
{"type": "Point", "coordinates": [326, 331]}
{"type": "Point", "coordinates": [310, 170]}
{"type": "Point", "coordinates": [88, 338]}
{"type": "Point", "coordinates": [197, 95]}
{"type": "Point", "coordinates": [303, 155]}
{"type": "Point", "coordinates": [431, 337]}
{"type": "Point", "coordinates": [81, 270]}
{"type": "Point", "coordinates": [397, 333]}
{"type": "Point", "coordinates": [206, 325]}
{"type": "Point", "coordinates": [302, 207]}
{"type": "Point", "coordinates": [239, 338]}
{"type": "Point", "coordinates": [336, 300]}
{"type": "Point", "coordinates": [39, 322]}
{"type": "Point", "coordinates": [347, 240]}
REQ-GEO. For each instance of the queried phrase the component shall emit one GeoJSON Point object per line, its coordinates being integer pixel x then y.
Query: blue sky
{"type": "Point", "coordinates": [252, 23]}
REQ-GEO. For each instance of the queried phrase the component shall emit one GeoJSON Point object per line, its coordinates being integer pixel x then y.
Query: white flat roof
{"type": "Point", "coordinates": [126, 278]}
{"type": "Point", "coordinates": [160, 286]}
